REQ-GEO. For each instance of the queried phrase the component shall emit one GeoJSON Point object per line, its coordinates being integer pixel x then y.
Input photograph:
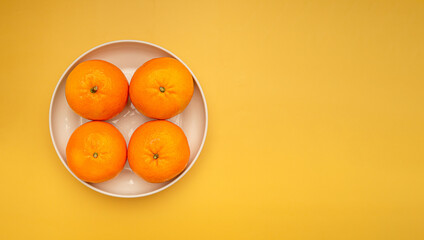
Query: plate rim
{"type": "Point", "coordinates": [175, 179]}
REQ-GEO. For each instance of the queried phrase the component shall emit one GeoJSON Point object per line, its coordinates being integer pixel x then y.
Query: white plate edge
{"type": "Point", "coordinates": [175, 179]}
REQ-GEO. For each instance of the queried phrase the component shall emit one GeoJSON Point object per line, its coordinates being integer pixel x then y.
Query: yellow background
{"type": "Point", "coordinates": [316, 120]}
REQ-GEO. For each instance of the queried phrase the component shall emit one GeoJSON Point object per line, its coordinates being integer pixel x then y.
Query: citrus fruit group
{"type": "Point", "coordinates": [158, 151]}
{"type": "Point", "coordinates": [96, 90]}
{"type": "Point", "coordinates": [96, 152]}
{"type": "Point", "coordinates": [161, 88]}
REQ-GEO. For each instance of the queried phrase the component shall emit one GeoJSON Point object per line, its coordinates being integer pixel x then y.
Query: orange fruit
{"type": "Point", "coordinates": [161, 88]}
{"type": "Point", "coordinates": [158, 151]}
{"type": "Point", "coordinates": [96, 90]}
{"type": "Point", "coordinates": [96, 152]}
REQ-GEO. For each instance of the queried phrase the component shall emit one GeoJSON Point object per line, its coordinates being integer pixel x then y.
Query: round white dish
{"type": "Point", "coordinates": [128, 55]}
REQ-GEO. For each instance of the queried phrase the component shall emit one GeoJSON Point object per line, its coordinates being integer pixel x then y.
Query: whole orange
{"type": "Point", "coordinates": [158, 151]}
{"type": "Point", "coordinates": [96, 152]}
{"type": "Point", "coordinates": [161, 88]}
{"type": "Point", "coordinates": [96, 90]}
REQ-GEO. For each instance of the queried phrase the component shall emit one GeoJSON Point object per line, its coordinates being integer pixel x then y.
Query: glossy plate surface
{"type": "Point", "coordinates": [128, 55]}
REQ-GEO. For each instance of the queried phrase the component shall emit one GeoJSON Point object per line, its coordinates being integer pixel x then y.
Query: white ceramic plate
{"type": "Point", "coordinates": [128, 55]}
